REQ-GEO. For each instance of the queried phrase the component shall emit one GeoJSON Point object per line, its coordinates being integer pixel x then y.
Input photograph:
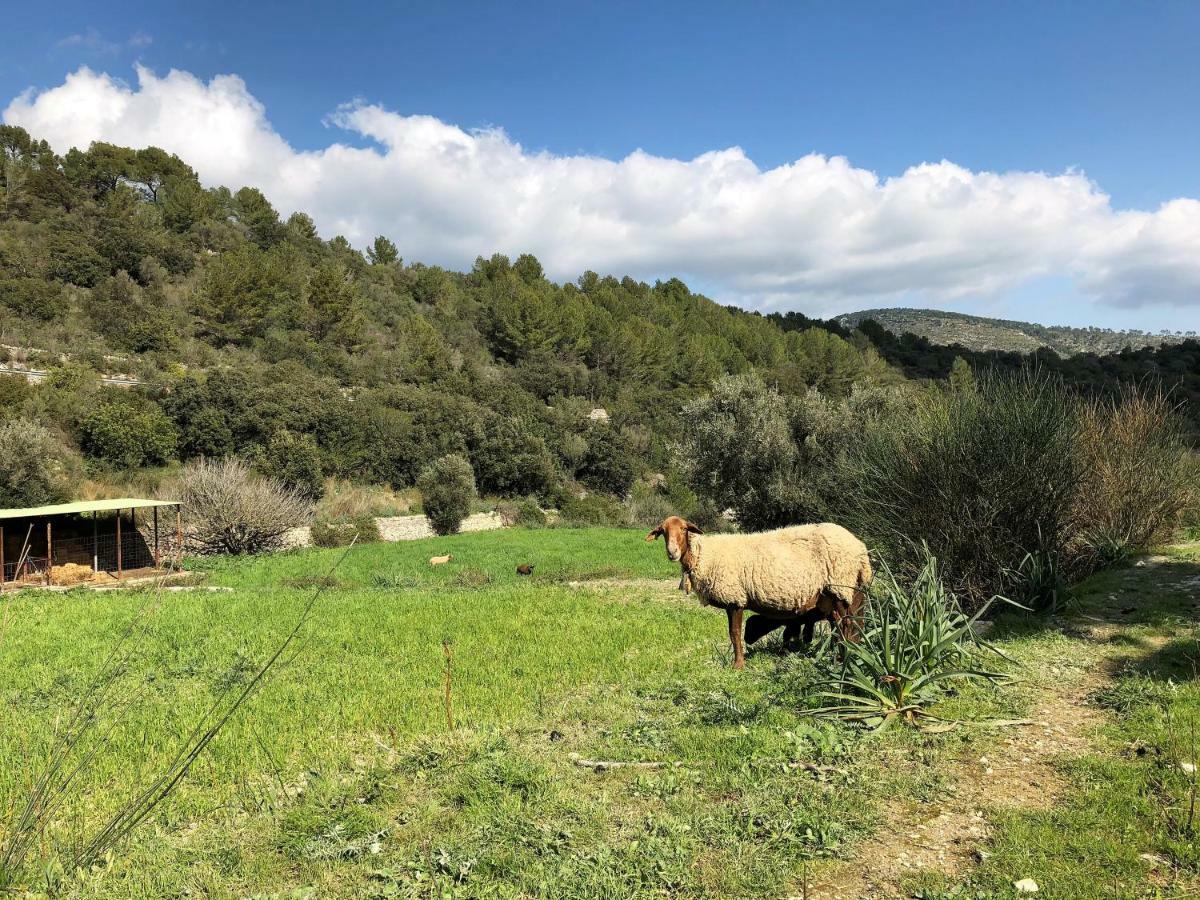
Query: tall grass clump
{"type": "Point", "coordinates": [983, 477]}
{"type": "Point", "coordinates": [363, 530]}
{"type": "Point", "coordinates": [347, 501]}
{"type": "Point", "coordinates": [1138, 477]}
{"type": "Point", "coordinates": [915, 644]}
{"type": "Point", "coordinates": [591, 511]}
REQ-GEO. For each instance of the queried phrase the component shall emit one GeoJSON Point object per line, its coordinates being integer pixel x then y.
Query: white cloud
{"type": "Point", "coordinates": [816, 234]}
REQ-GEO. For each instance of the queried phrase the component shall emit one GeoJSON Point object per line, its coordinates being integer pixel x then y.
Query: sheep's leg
{"type": "Point", "coordinates": [807, 636]}
{"type": "Point", "coordinates": [791, 634]}
{"type": "Point", "coordinates": [735, 637]}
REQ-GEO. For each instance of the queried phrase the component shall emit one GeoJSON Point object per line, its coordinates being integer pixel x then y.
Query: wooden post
{"type": "Point", "coordinates": [118, 544]}
{"type": "Point", "coordinates": [157, 563]}
{"type": "Point", "coordinates": [1, 554]}
{"type": "Point", "coordinates": [178, 536]}
{"type": "Point", "coordinates": [95, 546]}
{"type": "Point", "coordinates": [49, 555]}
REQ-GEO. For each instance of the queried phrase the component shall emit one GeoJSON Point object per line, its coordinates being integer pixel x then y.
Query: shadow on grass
{"type": "Point", "coordinates": [1177, 660]}
{"type": "Point", "coordinates": [1156, 594]}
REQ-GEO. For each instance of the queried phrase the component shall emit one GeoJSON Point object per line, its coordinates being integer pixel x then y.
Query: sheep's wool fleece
{"type": "Point", "coordinates": [782, 570]}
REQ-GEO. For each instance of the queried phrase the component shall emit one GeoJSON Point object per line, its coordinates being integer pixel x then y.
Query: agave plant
{"type": "Point", "coordinates": [915, 643]}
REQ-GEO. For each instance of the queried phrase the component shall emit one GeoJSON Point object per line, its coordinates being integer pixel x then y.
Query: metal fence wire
{"type": "Point", "coordinates": [98, 553]}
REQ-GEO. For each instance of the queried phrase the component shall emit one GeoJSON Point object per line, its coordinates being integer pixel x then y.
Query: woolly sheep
{"type": "Point", "coordinates": [783, 574]}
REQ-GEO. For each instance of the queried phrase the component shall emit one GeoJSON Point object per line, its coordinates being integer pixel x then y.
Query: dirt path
{"type": "Point", "coordinates": [947, 836]}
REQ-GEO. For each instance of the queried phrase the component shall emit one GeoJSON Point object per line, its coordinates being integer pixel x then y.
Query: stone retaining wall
{"type": "Point", "coordinates": [403, 528]}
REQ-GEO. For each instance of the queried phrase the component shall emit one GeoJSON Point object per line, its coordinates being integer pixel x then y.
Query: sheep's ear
{"type": "Point", "coordinates": [694, 529]}
{"type": "Point", "coordinates": [655, 534]}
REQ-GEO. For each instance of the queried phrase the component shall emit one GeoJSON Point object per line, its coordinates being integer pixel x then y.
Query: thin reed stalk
{"type": "Point", "coordinates": [79, 743]}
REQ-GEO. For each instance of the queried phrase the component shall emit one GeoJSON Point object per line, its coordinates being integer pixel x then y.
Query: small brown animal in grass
{"type": "Point", "coordinates": [525, 569]}
{"type": "Point", "coordinates": [804, 573]}
{"type": "Point", "coordinates": [440, 560]}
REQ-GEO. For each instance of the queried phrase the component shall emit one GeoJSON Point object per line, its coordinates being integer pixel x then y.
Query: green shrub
{"type": "Point", "coordinates": [526, 513]}
{"type": "Point", "coordinates": [127, 432]}
{"type": "Point", "coordinates": [648, 505]}
{"type": "Point", "coordinates": [771, 458]}
{"type": "Point", "coordinates": [594, 509]}
{"type": "Point", "coordinates": [447, 492]}
{"type": "Point", "coordinates": [364, 530]}
{"type": "Point", "coordinates": [511, 459]}
{"type": "Point", "coordinates": [294, 460]}
{"type": "Point", "coordinates": [15, 391]}
{"type": "Point", "coordinates": [132, 319]}
{"type": "Point", "coordinates": [32, 297]}
{"type": "Point", "coordinates": [607, 464]}
{"type": "Point", "coordinates": [35, 467]}
{"type": "Point", "coordinates": [530, 515]}
{"type": "Point", "coordinates": [981, 477]}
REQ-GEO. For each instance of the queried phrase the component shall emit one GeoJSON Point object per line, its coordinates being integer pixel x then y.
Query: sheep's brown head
{"type": "Point", "coordinates": [676, 531]}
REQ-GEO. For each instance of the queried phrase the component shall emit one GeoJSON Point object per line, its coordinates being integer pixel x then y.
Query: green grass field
{"type": "Point", "coordinates": [342, 778]}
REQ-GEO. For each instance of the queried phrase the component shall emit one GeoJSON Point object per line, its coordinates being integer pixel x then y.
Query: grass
{"type": "Point", "coordinates": [1127, 825]}
{"type": "Point", "coordinates": [342, 779]}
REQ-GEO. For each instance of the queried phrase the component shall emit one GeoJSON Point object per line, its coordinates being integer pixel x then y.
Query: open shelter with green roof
{"type": "Point", "coordinates": [104, 535]}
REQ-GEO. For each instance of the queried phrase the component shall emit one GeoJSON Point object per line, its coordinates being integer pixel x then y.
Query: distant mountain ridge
{"type": "Point", "coordinates": [983, 334]}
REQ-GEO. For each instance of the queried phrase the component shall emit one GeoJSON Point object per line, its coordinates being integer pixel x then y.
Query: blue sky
{"type": "Point", "coordinates": [1104, 89]}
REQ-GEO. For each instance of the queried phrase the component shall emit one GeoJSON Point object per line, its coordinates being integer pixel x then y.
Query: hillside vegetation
{"type": "Point", "coordinates": [981, 333]}
{"type": "Point", "coordinates": [255, 336]}
{"type": "Point", "coordinates": [251, 335]}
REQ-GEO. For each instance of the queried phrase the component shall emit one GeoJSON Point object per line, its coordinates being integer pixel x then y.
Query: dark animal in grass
{"type": "Point", "coordinates": [784, 573]}
{"type": "Point", "coordinates": [797, 630]}
{"type": "Point", "coordinates": [525, 569]}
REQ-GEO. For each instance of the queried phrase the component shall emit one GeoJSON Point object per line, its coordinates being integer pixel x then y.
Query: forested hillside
{"type": "Point", "coordinates": [983, 334]}
{"type": "Point", "coordinates": [1173, 367]}
{"type": "Point", "coordinates": [252, 335]}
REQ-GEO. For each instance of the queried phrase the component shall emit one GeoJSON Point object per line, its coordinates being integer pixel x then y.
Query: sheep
{"type": "Point", "coordinates": [802, 572]}
{"type": "Point", "coordinates": [440, 560]}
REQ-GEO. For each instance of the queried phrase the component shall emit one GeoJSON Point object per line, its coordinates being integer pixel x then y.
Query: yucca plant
{"type": "Point", "coordinates": [1039, 581]}
{"type": "Point", "coordinates": [915, 643]}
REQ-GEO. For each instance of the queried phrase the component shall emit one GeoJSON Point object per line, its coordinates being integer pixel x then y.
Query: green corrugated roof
{"type": "Point", "coordinates": [84, 506]}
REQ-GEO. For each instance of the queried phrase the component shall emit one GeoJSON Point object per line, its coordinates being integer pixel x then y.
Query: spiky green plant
{"type": "Point", "coordinates": [1039, 581]}
{"type": "Point", "coordinates": [915, 642]}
